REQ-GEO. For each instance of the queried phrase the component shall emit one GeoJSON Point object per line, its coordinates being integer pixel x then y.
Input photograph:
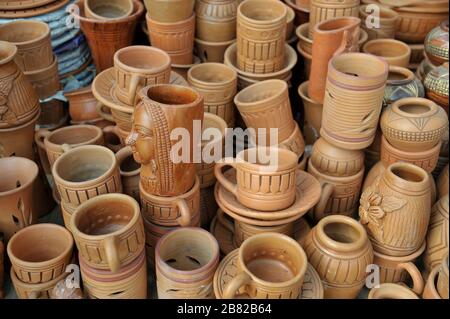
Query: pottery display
{"type": "Point", "coordinates": [436, 44]}
{"type": "Point", "coordinates": [108, 231]}
{"type": "Point", "coordinates": [430, 290]}
{"type": "Point", "coordinates": [394, 52]}
{"type": "Point", "coordinates": [161, 109]}
{"type": "Point", "coordinates": [129, 172]}
{"type": "Point", "coordinates": [391, 291]}
{"type": "Point", "coordinates": [387, 20]}
{"type": "Point", "coordinates": [216, 20]}
{"type": "Point", "coordinates": [414, 124]}
{"type": "Point", "coordinates": [45, 7]}
{"type": "Point", "coordinates": [169, 10]}
{"type": "Point", "coordinates": [401, 83]}
{"type": "Point", "coordinates": [442, 281]}
{"type": "Point", "coordinates": [442, 182]}
{"type": "Point", "coordinates": [400, 197]}
{"type": "Point", "coordinates": [342, 124]}
{"type": "Point", "coordinates": [436, 85]}
{"type": "Point", "coordinates": [209, 51]}
{"type": "Point", "coordinates": [417, 55]}
{"type": "Point", "coordinates": [107, 9]}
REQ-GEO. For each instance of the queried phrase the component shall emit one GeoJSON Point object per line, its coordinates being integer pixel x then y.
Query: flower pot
{"type": "Point", "coordinates": [216, 20]}
{"type": "Point", "coordinates": [45, 81]}
{"type": "Point", "coordinates": [387, 19]}
{"type": "Point", "coordinates": [442, 182]}
{"type": "Point", "coordinates": [391, 291]}
{"type": "Point", "coordinates": [169, 11]}
{"type": "Point", "coordinates": [211, 51]}
{"type": "Point", "coordinates": [436, 44]}
{"type": "Point", "coordinates": [436, 85]}
{"type": "Point", "coordinates": [107, 9]}
{"type": "Point", "coordinates": [394, 52]}
{"type": "Point", "coordinates": [129, 172]}
{"type": "Point", "coordinates": [401, 83]}
{"type": "Point", "coordinates": [313, 114]}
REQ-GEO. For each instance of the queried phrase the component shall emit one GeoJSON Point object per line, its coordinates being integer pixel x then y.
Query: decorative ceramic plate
{"type": "Point", "coordinates": [103, 89]}
{"type": "Point", "coordinates": [312, 285]}
{"type": "Point", "coordinates": [35, 11]}
{"type": "Point", "coordinates": [22, 4]}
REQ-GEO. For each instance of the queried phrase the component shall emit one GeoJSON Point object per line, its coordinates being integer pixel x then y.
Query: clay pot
{"type": "Point", "coordinates": [301, 12]}
{"type": "Point", "coordinates": [182, 69]}
{"type": "Point", "coordinates": [32, 39]}
{"type": "Point", "coordinates": [340, 194]}
{"type": "Point", "coordinates": [401, 83]}
{"type": "Point", "coordinates": [387, 22]}
{"type": "Point", "coordinates": [186, 259]}
{"type": "Point", "coordinates": [339, 249]}
{"type": "Point", "coordinates": [136, 67]}
{"type": "Point", "coordinates": [55, 143]}
{"type": "Point", "coordinates": [85, 172]}
{"type": "Point", "coordinates": [123, 120]}
{"type": "Point", "coordinates": [108, 231]}
{"type": "Point", "coordinates": [163, 108]}
{"type": "Point", "coordinates": [270, 266]}
{"type": "Point", "coordinates": [436, 85]}
{"type": "Point", "coordinates": [129, 172]}
{"type": "Point", "coordinates": [394, 52]}
{"type": "Point", "coordinates": [244, 82]}
{"type": "Point", "coordinates": [266, 105]}
{"type": "Point", "coordinates": [436, 44]}
{"type": "Point", "coordinates": [261, 34]}
{"type": "Point", "coordinates": [211, 51]}
{"type": "Point", "coordinates": [313, 114]}
{"type": "Point", "coordinates": [424, 68]}
{"type": "Point", "coordinates": [442, 281]}
{"type": "Point", "coordinates": [82, 104]}
{"type": "Point", "coordinates": [218, 85]}
{"type": "Point", "coordinates": [272, 174]}
{"type": "Point", "coordinates": [430, 290]}
{"type": "Point", "coordinates": [294, 143]}
{"type": "Point", "coordinates": [400, 124]}
{"type": "Point", "coordinates": [169, 11]}
{"type": "Point", "coordinates": [353, 78]}
{"type": "Point", "coordinates": [391, 291]}
{"type": "Point", "coordinates": [106, 37]}
{"type": "Point", "coordinates": [442, 182]}
{"type": "Point", "coordinates": [107, 9]}
{"type": "Point", "coordinates": [130, 282]}
{"type": "Point", "coordinates": [19, 103]}
{"type": "Point", "coordinates": [40, 264]}
{"type": "Point", "coordinates": [332, 37]}
{"type": "Point", "coordinates": [321, 10]}
{"type": "Point", "coordinates": [400, 197]}
{"type": "Point", "coordinates": [437, 239]}
{"type": "Point", "coordinates": [216, 20]}
{"type": "Point", "coordinates": [176, 38]}
{"type": "Point", "coordinates": [46, 80]}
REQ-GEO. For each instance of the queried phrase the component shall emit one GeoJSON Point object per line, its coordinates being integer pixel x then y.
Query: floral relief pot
{"type": "Point", "coordinates": [436, 85]}
{"type": "Point", "coordinates": [387, 22]}
{"type": "Point", "coordinates": [401, 83]}
{"type": "Point", "coordinates": [108, 9]}
{"type": "Point", "coordinates": [169, 11]}
{"type": "Point", "coordinates": [394, 52]}
{"type": "Point", "coordinates": [216, 20]}
{"type": "Point", "coordinates": [436, 44]}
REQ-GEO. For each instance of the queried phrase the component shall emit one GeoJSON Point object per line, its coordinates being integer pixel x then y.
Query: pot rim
{"type": "Point", "coordinates": [433, 107]}
{"type": "Point", "coordinates": [30, 24]}
{"type": "Point", "coordinates": [69, 128]}
{"type": "Point", "coordinates": [100, 17]}
{"type": "Point", "coordinates": [80, 91]}
{"type": "Point", "coordinates": [128, 68]}
{"type": "Point", "coordinates": [351, 22]}
{"type": "Point", "coordinates": [258, 86]}
{"type": "Point", "coordinates": [268, 168]}
{"type": "Point", "coordinates": [221, 122]}
{"type": "Point", "coordinates": [412, 185]}
{"type": "Point", "coordinates": [216, 65]}
{"type": "Point", "coordinates": [138, 9]}
{"type": "Point", "coordinates": [32, 176]}
{"type": "Point", "coordinates": [276, 20]}
{"type": "Point", "coordinates": [391, 42]}
{"type": "Point", "coordinates": [12, 47]}
{"type": "Point", "coordinates": [214, 44]}
{"type": "Point", "coordinates": [375, 293]}
{"type": "Point", "coordinates": [293, 5]}
{"type": "Point", "coordinates": [401, 259]}
{"type": "Point", "coordinates": [393, 14]}
{"type": "Point", "coordinates": [198, 99]}
{"type": "Point", "coordinates": [409, 75]}
{"type": "Point", "coordinates": [171, 25]}
{"type": "Point", "coordinates": [303, 92]}
{"type": "Point", "coordinates": [335, 179]}
{"type": "Point", "coordinates": [171, 199]}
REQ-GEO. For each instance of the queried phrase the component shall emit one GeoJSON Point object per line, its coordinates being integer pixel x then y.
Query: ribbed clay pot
{"type": "Point", "coordinates": [394, 52]}
{"type": "Point", "coordinates": [339, 249]}
{"type": "Point", "coordinates": [313, 114]}
{"type": "Point", "coordinates": [169, 11]}
{"type": "Point", "coordinates": [108, 9]}
{"type": "Point", "coordinates": [216, 20]}
{"type": "Point", "coordinates": [436, 44]}
{"type": "Point", "coordinates": [391, 291]}
{"type": "Point", "coordinates": [442, 182]}
{"type": "Point", "coordinates": [387, 19]}
{"type": "Point", "coordinates": [401, 83]}
{"type": "Point", "coordinates": [209, 51]}
{"type": "Point", "coordinates": [396, 209]}
{"type": "Point", "coordinates": [129, 172]}
{"type": "Point", "coordinates": [436, 85]}
{"type": "Point", "coordinates": [353, 78]}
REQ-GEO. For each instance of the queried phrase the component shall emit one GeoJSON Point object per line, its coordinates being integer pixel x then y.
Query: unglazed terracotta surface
{"type": "Point", "coordinates": [436, 85]}
{"type": "Point", "coordinates": [216, 20]}
{"type": "Point", "coordinates": [394, 52]}
{"type": "Point", "coordinates": [401, 83]}
{"type": "Point", "coordinates": [436, 44]}
{"type": "Point", "coordinates": [169, 10]}
{"type": "Point", "coordinates": [442, 182]}
{"type": "Point", "coordinates": [108, 9]}
{"type": "Point", "coordinates": [387, 22]}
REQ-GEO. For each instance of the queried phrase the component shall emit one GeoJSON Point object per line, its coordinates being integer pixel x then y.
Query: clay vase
{"type": "Point", "coordinates": [436, 44]}
{"type": "Point", "coordinates": [266, 105]}
{"type": "Point", "coordinates": [138, 66]}
{"type": "Point", "coordinates": [391, 291]}
{"type": "Point", "coordinates": [400, 197]}
{"type": "Point", "coordinates": [270, 266]}
{"type": "Point", "coordinates": [40, 264]}
{"type": "Point", "coordinates": [339, 249]}
{"type": "Point", "coordinates": [414, 124]}
{"type": "Point", "coordinates": [353, 78]}
{"type": "Point", "coordinates": [430, 291]}
{"type": "Point", "coordinates": [331, 38]}
{"type": "Point", "coordinates": [313, 115]}
{"type": "Point", "coordinates": [129, 172]}
{"type": "Point", "coordinates": [16, 194]}
{"type": "Point", "coordinates": [394, 52]}
{"type": "Point", "coordinates": [82, 105]}
{"type": "Point", "coordinates": [401, 83]}
{"type": "Point", "coordinates": [19, 102]}
{"type": "Point", "coordinates": [218, 85]}
{"type": "Point", "coordinates": [442, 182]}
{"type": "Point", "coordinates": [216, 20]}
{"type": "Point", "coordinates": [108, 231]}
{"type": "Point", "coordinates": [387, 22]}
{"type": "Point", "coordinates": [442, 281]}
{"type": "Point", "coordinates": [436, 85]}
{"type": "Point", "coordinates": [437, 236]}
{"type": "Point", "coordinates": [169, 11]}
{"type": "Point", "coordinates": [161, 109]}
{"type": "Point", "coordinates": [261, 34]}
{"type": "Point", "coordinates": [107, 9]}
{"type": "Point", "coordinates": [211, 51]}
{"type": "Point", "coordinates": [176, 38]}
{"type": "Point", "coordinates": [186, 260]}
{"type": "Point", "coordinates": [106, 37]}
{"type": "Point", "coordinates": [130, 282]}
{"type": "Point", "coordinates": [2, 269]}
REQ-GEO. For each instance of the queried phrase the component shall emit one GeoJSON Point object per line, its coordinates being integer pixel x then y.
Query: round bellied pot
{"type": "Point", "coordinates": [387, 21]}
{"type": "Point", "coordinates": [108, 9]}
{"type": "Point", "coordinates": [169, 10]}
{"type": "Point", "coordinates": [442, 182]}
{"type": "Point", "coordinates": [82, 104]}
{"type": "Point", "coordinates": [394, 52]}
{"type": "Point", "coordinates": [391, 291]}
{"type": "Point", "coordinates": [436, 85]}
{"type": "Point", "coordinates": [401, 83]}
{"type": "Point", "coordinates": [216, 20]}
{"type": "Point", "coordinates": [436, 44]}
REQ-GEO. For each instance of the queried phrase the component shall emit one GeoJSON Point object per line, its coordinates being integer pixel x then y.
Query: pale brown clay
{"type": "Point", "coordinates": [169, 10]}
{"type": "Point", "coordinates": [339, 249]}
{"type": "Point", "coordinates": [313, 115]}
{"type": "Point", "coordinates": [34, 11]}
{"type": "Point", "coordinates": [129, 172]}
{"type": "Point", "coordinates": [394, 52]}
{"type": "Point", "coordinates": [430, 290]}
{"type": "Point", "coordinates": [442, 281]}
{"type": "Point", "coordinates": [391, 291]}
{"type": "Point", "coordinates": [301, 12]}
{"type": "Point", "coordinates": [209, 51]}
{"type": "Point", "coordinates": [295, 142]}
{"type": "Point", "coordinates": [21, 5]}
{"type": "Point", "coordinates": [401, 83]}
{"type": "Point", "coordinates": [216, 20]}
{"type": "Point", "coordinates": [436, 85]}
{"type": "Point", "coordinates": [436, 44]}
{"type": "Point", "coordinates": [108, 9]}
{"type": "Point", "coordinates": [290, 16]}
{"type": "Point", "coordinates": [182, 69]}
{"type": "Point", "coordinates": [82, 104]}
{"type": "Point", "coordinates": [387, 22]}
{"type": "Point", "coordinates": [45, 81]}
{"type": "Point", "coordinates": [442, 182]}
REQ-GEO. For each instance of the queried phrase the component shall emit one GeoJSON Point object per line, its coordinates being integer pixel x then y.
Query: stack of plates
{"type": "Point", "coordinates": [29, 8]}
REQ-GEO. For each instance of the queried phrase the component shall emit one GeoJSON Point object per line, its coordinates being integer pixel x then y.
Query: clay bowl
{"type": "Point", "coordinates": [107, 9]}
{"type": "Point", "coordinates": [391, 291]}
{"type": "Point", "coordinates": [395, 52]}
{"type": "Point", "coordinates": [82, 105]}
{"type": "Point", "coordinates": [169, 10]}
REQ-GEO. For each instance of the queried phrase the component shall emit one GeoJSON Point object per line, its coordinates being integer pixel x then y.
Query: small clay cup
{"type": "Point", "coordinates": [216, 20]}
{"type": "Point", "coordinates": [395, 52]}
{"type": "Point", "coordinates": [169, 11]}
{"type": "Point", "coordinates": [82, 105]}
{"type": "Point", "coordinates": [391, 291]}
{"type": "Point", "coordinates": [108, 9]}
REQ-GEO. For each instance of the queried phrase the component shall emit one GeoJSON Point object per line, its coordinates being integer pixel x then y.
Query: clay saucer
{"type": "Point", "coordinates": [22, 4]}
{"type": "Point", "coordinates": [312, 285]}
{"type": "Point", "coordinates": [103, 89]}
{"type": "Point", "coordinates": [308, 194]}
{"type": "Point", "coordinates": [35, 11]}
{"type": "Point", "coordinates": [225, 238]}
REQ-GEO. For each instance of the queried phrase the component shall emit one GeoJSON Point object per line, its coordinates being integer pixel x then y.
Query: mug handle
{"type": "Point", "coordinates": [185, 212]}
{"type": "Point", "coordinates": [112, 253]}
{"type": "Point", "coordinates": [233, 286]}
{"type": "Point", "coordinates": [102, 113]}
{"type": "Point", "coordinates": [134, 84]}
{"type": "Point", "coordinates": [319, 209]}
{"type": "Point", "coordinates": [413, 271]}
{"type": "Point", "coordinates": [228, 224]}
{"type": "Point", "coordinates": [40, 135]}
{"type": "Point", "coordinates": [228, 161]}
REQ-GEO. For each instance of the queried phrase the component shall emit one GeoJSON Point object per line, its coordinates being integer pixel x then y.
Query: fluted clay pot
{"type": "Point", "coordinates": [176, 38]}
{"type": "Point", "coordinates": [82, 104]}
{"type": "Point", "coordinates": [216, 20]}
{"type": "Point", "coordinates": [108, 9]}
{"type": "Point", "coordinates": [331, 38]}
{"type": "Point", "coordinates": [442, 182]}
{"type": "Point", "coordinates": [16, 190]}
{"type": "Point", "coordinates": [106, 37]}
{"type": "Point", "coordinates": [436, 85]}
{"type": "Point", "coordinates": [261, 34]}
{"type": "Point", "coordinates": [40, 264]}
{"type": "Point", "coordinates": [430, 291]}
{"type": "Point", "coordinates": [436, 44]}
{"type": "Point", "coordinates": [391, 291]}
{"type": "Point", "coordinates": [108, 231]}
{"type": "Point", "coordinates": [442, 281]}
{"type": "Point", "coordinates": [19, 102]}
{"type": "Point", "coordinates": [45, 81]}
{"type": "Point", "coordinates": [313, 114]}
{"type": "Point", "coordinates": [414, 124]}
{"type": "Point", "coordinates": [129, 172]}
{"type": "Point", "coordinates": [394, 52]}
{"type": "Point", "coordinates": [209, 51]}
{"type": "Point", "coordinates": [387, 19]}
{"type": "Point", "coordinates": [218, 85]}
{"type": "Point", "coordinates": [437, 236]}
{"type": "Point", "coordinates": [339, 249]}
{"type": "Point", "coordinates": [401, 83]}
{"type": "Point", "coordinates": [169, 11]}
{"type": "Point", "coordinates": [400, 197]}
{"type": "Point", "coordinates": [353, 78]}
{"type": "Point", "coordinates": [186, 259]}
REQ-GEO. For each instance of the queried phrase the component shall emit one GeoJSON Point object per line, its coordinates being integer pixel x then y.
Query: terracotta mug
{"type": "Point", "coordinates": [262, 184]}
{"type": "Point", "coordinates": [442, 281]}
{"type": "Point", "coordinates": [270, 266]}
{"type": "Point", "coordinates": [108, 231]}
{"type": "Point", "coordinates": [138, 66]}
{"type": "Point", "coordinates": [391, 291]}
{"type": "Point", "coordinates": [129, 172]}
{"type": "Point", "coordinates": [108, 9]}
{"type": "Point", "coordinates": [48, 258]}
{"type": "Point", "coordinates": [83, 105]}
{"type": "Point", "coordinates": [186, 260]}
{"type": "Point", "coordinates": [169, 10]}
{"type": "Point", "coordinates": [394, 52]}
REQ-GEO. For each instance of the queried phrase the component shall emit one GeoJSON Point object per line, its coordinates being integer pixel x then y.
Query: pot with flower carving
{"type": "Point", "coordinates": [436, 44]}
{"type": "Point", "coordinates": [436, 85]}
{"type": "Point", "coordinates": [401, 83]}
